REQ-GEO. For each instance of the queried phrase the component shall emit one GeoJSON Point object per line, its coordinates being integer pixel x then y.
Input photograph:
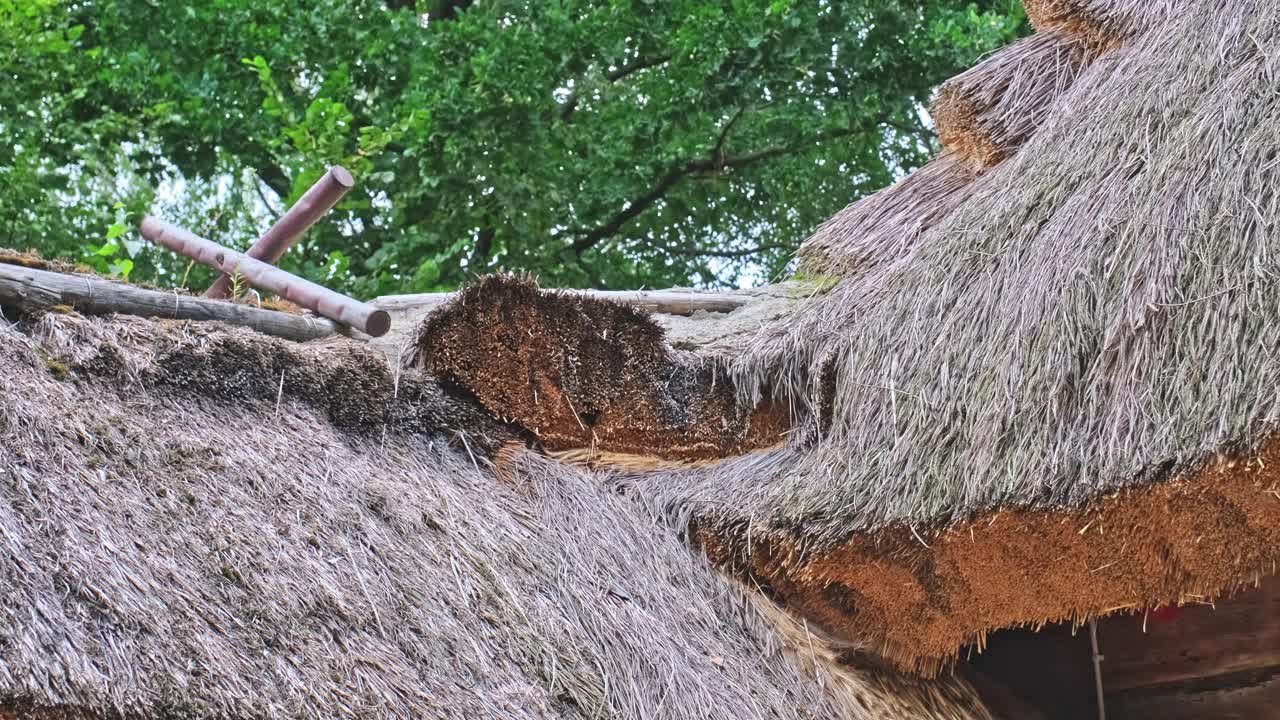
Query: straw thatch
{"type": "Point", "coordinates": [1101, 23]}
{"type": "Point", "coordinates": [986, 113]}
{"type": "Point", "coordinates": [1096, 312]}
{"type": "Point", "coordinates": [1043, 389]}
{"type": "Point", "coordinates": [580, 372]}
{"type": "Point", "coordinates": [885, 227]}
{"type": "Point", "coordinates": [1041, 392]}
{"type": "Point", "coordinates": [213, 524]}
{"type": "Point", "coordinates": [1092, 311]}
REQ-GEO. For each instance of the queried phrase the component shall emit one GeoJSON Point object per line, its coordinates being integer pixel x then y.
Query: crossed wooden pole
{"type": "Point", "coordinates": [257, 265]}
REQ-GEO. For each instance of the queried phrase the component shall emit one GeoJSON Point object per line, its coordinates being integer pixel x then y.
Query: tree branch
{"type": "Point", "coordinates": [919, 133]}
{"type": "Point", "coordinates": [687, 252]}
{"type": "Point", "coordinates": [718, 150]}
{"type": "Point", "coordinates": [275, 179]}
{"type": "Point", "coordinates": [613, 76]}
{"type": "Point", "coordinates": [588, 238]}
{"type": "Point", "coordinates": [636, 66]}
{"type": "Point", "coordinates": [436, 9]}
{"type": "Point", "coordinates": [265, 202]}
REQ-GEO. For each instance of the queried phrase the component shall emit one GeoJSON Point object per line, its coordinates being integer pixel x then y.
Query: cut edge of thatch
{"type": "Point", "coordinates": [986, 113]}
{"type": "Point", "coordinates": [1101, 24]}
{"type": "Point", "coordinates": [588, 376]}
{"type": "Point", "coordinates": [919, 597]}
{"type": "Point", "coordinates": [845, 670]}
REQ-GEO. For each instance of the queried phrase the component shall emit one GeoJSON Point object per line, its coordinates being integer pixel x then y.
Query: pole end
{"type": "Point", "coordinates": [151, 227]}
{"type": "Point", "coordinates": [342, 176]}
{"type": "Point", "coordinates": [378, 324]}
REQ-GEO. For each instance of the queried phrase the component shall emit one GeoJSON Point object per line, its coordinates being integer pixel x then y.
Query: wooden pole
{"type": "Point", "coordinates": [318, 200]}
{"type": "Point", "coordinates": [670, 302]}
{"type": "Point", "coordinates": [28, 289]}
{"type": "Point", "coordinates": [1097, 669]}
{"type": "Point", "coordinates": [366, 318]}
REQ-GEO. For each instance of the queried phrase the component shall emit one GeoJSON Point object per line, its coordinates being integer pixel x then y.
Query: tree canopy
{"type": "Point", "coordinates": [610, 143]}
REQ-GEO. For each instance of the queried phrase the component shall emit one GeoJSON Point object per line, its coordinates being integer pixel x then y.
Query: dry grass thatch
{"type": "Point", "coordinates": [580, 372]}
{"type": "Point", "coordinates": [1101, 23]}
{"type": "Point", "coordinates": [885, 227]}
{"type": "Point", "coordinates": [988, 112]}
{"type": "Point", "coordinates": [914, 598]}
{"type": "Point", "coordinates": [1096, 312]}
{"type": "Point", "coordinates": [1093, 314]}
{"type": "Point", "coordinates": [202, 523]}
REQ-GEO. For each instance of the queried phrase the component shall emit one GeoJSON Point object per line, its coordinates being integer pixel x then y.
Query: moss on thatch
{"type": "Point", "coordinates": [184, 534]}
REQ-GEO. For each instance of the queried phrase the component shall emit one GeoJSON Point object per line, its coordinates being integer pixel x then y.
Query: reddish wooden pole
{"type": "Point", "coordinates": [314, 203]}
{"type": "Point", "coordinates": [324, 301]}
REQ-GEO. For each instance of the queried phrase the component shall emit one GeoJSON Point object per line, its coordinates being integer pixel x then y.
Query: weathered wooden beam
{"type": "Point", "coordinates": [1195, 642]}
{"type": "Point", "coordinates": [670, 302]}
{"type": "Point", "coordinates": [1238, 697]}
{"type": "Point", "coordinates": [29, 289]}
{"type": "Point", "coordinates": [314, 203]}
{"type": "Point", "coordinates": [365, 318]}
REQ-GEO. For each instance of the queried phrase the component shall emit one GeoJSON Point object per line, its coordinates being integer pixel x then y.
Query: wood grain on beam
{"type": "Point", "coordinates": [1237, 634]}
{"type": "Point", "coordinates": [29, 289]}
{"type": "Point", "coordinates": [671, 302]}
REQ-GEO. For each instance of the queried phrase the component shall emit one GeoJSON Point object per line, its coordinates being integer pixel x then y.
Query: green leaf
{"type": "Point", "coordinates": [121, 268]}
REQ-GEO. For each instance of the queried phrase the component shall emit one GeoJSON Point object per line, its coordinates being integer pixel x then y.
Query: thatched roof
{"type": "Point", "coordinates": [1094, 311]}
{"type": "Point", "coordinates": [1034, 382]}
{"type": "Point", "coordinates": [1043, 387]}
{"type": "Point", "coordinates": [1091, 310]}
{"type": "Point", "coordinates": [208, 523]}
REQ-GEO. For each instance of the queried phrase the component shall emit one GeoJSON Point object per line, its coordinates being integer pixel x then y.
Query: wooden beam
{"type": "Point", "coordinates": [29, 289]}
{"type": "Point", "coordinates": [1199, 641]}
{"type": "Point", "coordinates": [1003, 702]}
{"type": "Point", "coordinates": [669, 302]}
{"type": "Point", "coordinates": [1245, 699]}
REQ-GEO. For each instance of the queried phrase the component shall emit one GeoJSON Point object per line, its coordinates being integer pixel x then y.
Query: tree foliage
{"type": "Point", "coordinates": [611, 143]}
